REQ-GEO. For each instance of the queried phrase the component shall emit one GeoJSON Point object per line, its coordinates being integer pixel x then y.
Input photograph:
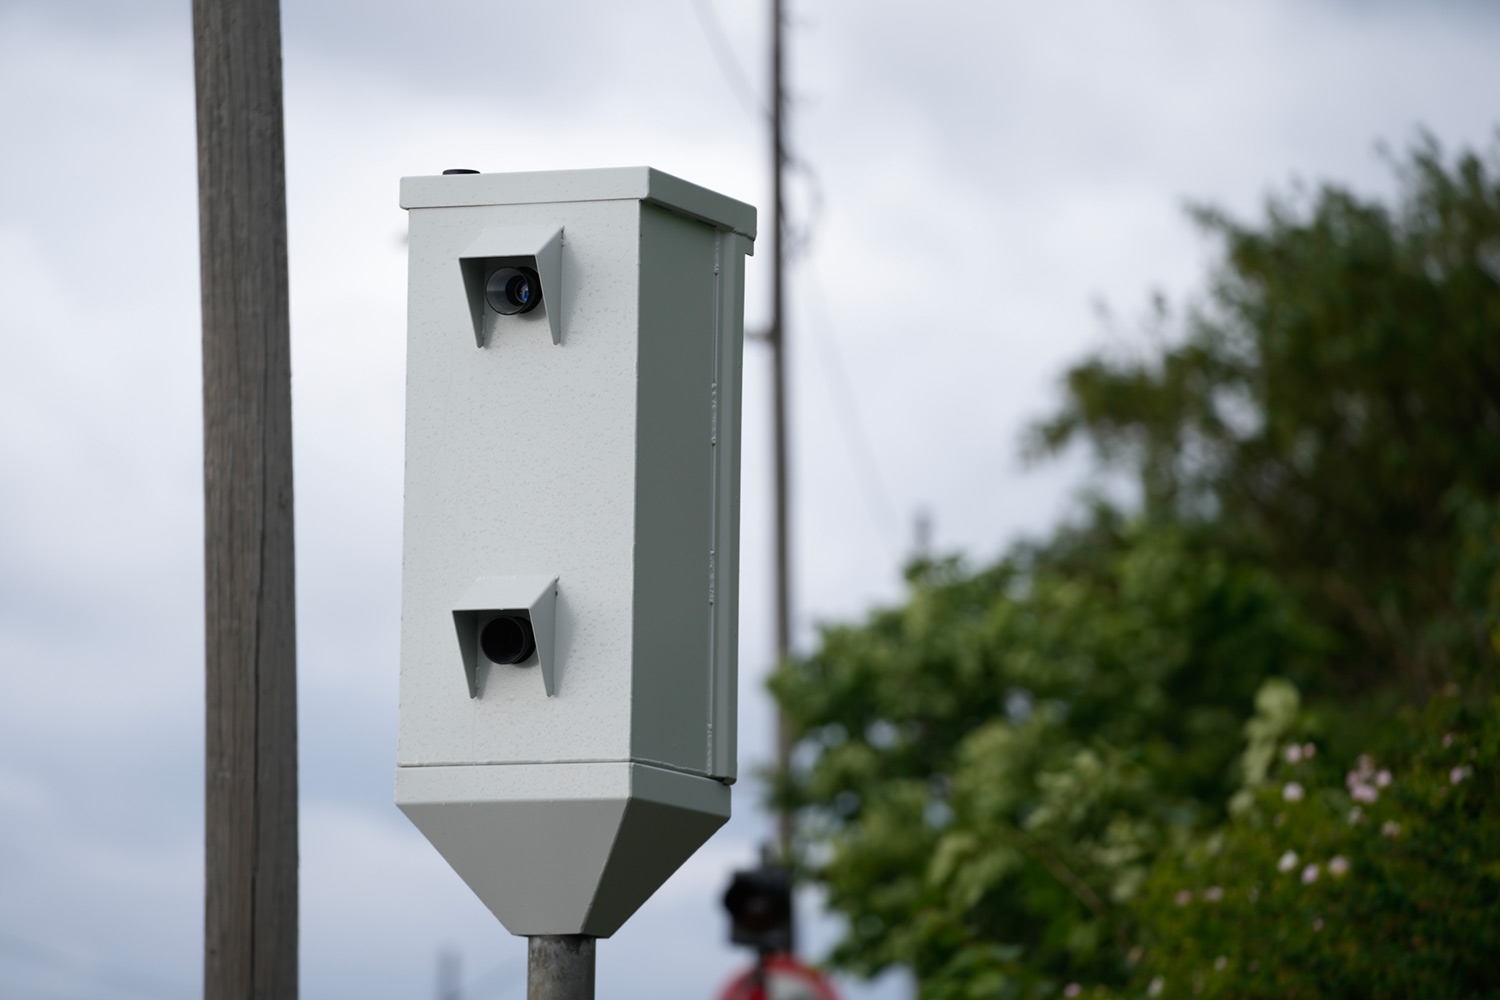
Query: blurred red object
{"type": "Point", "coordinates": [779, 977]}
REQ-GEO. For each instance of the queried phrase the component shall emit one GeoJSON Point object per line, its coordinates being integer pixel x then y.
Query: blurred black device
{"type": "Point", "coordinates": [759, 902]}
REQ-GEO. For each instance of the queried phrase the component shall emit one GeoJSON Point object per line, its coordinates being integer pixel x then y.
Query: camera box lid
{"type": "Point", "coordinates": [606, 184]}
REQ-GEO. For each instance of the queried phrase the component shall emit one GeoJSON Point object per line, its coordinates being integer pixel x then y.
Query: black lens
{"type": "Point", "coordinates": [518, 291]}
{"type": "Point", "coordinates": [511, 290]}
{"type": "Point", "coordinates": [507, 639]}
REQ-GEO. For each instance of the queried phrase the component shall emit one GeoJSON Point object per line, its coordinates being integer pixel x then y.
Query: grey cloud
{"type": "Point", "coordinates": [1015, 160]}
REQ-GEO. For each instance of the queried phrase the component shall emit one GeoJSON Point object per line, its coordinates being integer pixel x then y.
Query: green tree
{"type": "Point", "coordinates": [994, 765]}
{"type": "Point", "coordinates": [992, 777]}
{"type": "Point", "coordinates": [1373, 878]}
{"type": "Point", "coordinates": [1371, 882]}
{"type": "Point", "coordinates": [1339, 386]}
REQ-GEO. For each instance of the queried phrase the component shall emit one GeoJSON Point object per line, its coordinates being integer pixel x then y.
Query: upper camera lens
{"type": "Point", "coordinates": [518, 290]}
{"type": "Point", "coordinates": [507, 639]}
{"type": "Point", "coordinates": [512, 290]}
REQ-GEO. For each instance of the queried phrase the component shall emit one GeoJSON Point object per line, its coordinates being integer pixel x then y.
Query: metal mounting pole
{"type": "Point", "coordinates": [560, 967]}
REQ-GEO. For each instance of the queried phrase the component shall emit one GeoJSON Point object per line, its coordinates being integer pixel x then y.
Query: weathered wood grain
{"type": "Point", "coordinates": [250, 926]}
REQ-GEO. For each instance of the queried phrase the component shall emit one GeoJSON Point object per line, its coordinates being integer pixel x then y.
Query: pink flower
{"type": "Point", "coordinates": [1072, 990]}
{"type": "Point", "coordinates": [1293, 754]}
{"type": "Point", "coordinates": [1362, 792]}
{"type": "Point", "coordinates": [1292, 792]}
{"type": "Point", "coordinates": [1365, 776]}
{"type": "Point", "coordinates": [1309, 874]}
{"type": "Point", "coordinates": [1183, 897]}
{"type": "Point", "coordinates": [1338, 866]}
{"type": "Point", "coordinates": [1213, 894]}
{"type": "Point", "coordinates": [1459, 774]}
{"type": "Point", "coordinates": [1317, 924]}
{"type": "Point", "coordinates": [1447, 740]}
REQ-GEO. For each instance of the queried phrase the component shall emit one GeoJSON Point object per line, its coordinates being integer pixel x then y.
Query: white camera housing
{"type": "Point", "coordinates": [575, 466]}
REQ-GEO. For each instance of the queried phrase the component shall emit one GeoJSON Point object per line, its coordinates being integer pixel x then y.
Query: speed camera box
{"type": "Point", "coordinates": [569, 604]}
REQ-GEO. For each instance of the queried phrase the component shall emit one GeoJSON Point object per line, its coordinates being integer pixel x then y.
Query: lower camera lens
{"type": "Point", "coordinates": [512, 290]}
{"type": "Point", "coordinates": [507, 639]}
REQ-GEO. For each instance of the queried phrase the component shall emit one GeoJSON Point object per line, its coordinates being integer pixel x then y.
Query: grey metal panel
{"type": "Point", "coordinates": [728, 384]}
{"type": "Point", "coordinates": [700, 203]}
{"type": "Point", "coordinates": [531, 841]}
{"type": "Point", "coordinates": [668, 817]}
{"type": "Point", "coordinates": [672, 649]}
{"type": "Point", "coordinates": [520, 460]}
{"type": "Point", "coordinates": [562, 848]}
{"type": "Point", "coordinates": [556, 186]}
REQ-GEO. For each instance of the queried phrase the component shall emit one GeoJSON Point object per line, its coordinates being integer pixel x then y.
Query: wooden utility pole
{"type": "Point", "coordinates": [777, 341]}
{"type": "Point", "coordinates": [250, 892]}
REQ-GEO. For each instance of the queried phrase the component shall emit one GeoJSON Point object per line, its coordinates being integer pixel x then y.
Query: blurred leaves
{"type": "Point", "coordinates": [1339, 384]}
{"type": "Point", "coordinates": [1001, 781]}
{"type": "Point", "coordinates": [1058, 723]}
{"type": "Point", "coordinates": [1393, 897]}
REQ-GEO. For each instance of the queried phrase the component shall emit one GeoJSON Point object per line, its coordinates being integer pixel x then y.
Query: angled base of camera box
{"type": "Point", "coordinates": [562, 848]}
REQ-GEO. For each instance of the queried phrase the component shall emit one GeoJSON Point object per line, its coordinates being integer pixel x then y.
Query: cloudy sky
{"type": "Point", "coordinates": [978, 179]}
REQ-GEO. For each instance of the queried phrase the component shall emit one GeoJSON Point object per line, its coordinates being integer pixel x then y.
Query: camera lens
{"type": "Point", "coordinates": [512, 290]}
{"type": "Point", "coordinates": [507, 639]}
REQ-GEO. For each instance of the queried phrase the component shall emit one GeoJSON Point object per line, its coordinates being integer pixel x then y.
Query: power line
{"type": "Point", "coordinates": [798, 237]}
{"type": "Point", "coordinates": [846, 410]}
{"type": "Point", "coordinates": [729, 65]}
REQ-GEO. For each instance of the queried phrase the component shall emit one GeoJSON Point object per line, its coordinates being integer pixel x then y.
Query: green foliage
{"type": "Point", "coordinates": [1340, 383]}
{"type": "Point", "coordinates": [1005, 783]}
{"type": "Point", "coordinates": [994, 766]}
{"type": "Point", "coordinates": [1376, 882]}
